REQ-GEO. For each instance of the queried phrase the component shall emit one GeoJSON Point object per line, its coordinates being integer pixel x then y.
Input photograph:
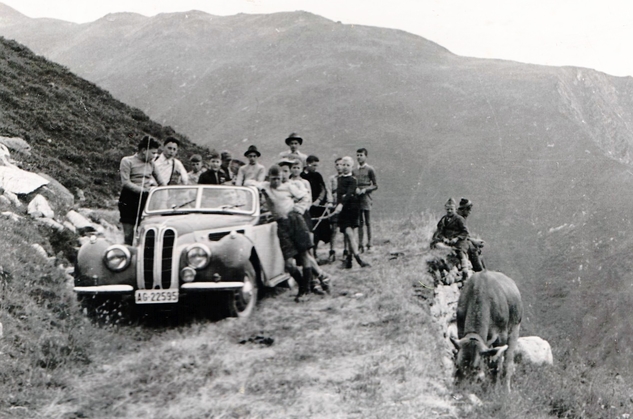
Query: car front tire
{"type": "Point", "coordinates": [242, 302]}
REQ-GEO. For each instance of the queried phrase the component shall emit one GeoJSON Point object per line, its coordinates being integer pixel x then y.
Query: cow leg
{"type": "Point", "coordinates": [508, 364]}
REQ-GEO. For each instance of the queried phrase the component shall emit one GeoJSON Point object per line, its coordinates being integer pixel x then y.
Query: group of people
{"type": "Point", "coordinates": [307, 209]}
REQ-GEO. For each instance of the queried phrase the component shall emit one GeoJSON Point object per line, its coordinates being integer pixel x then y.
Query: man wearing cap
{"type": "Point", "coordinates": [252, 170]}
{"type": "Point", "coordinates": [294, 141]}
{"type": "Point", "coordinates": [452, 231]}
{"type": "Point", "coordinates": [196, 168]}
{"type": "Point", "coordinates": [226, 165]}
{"type": "Point", "coordinates": [474, 245]}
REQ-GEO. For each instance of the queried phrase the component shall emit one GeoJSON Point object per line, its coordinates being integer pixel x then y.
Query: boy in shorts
{"type": "Point", "coordinates": [287, 204]}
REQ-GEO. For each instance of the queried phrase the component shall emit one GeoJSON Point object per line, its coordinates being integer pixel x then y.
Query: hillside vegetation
{"type": "Point", "coordinates": [77, 131]}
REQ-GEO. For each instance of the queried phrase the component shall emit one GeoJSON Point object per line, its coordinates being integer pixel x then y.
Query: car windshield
{"type": "Point", "coordinates": [201, 198]}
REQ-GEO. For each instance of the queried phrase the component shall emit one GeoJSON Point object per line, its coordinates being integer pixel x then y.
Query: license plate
{"type": "Point", "coordinates": [156, 296]}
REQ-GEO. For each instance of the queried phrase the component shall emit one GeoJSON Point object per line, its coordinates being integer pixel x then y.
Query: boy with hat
{"type": "Point", "coordinates": [252, 170]}
{"type": "Point", "coordinates": [196, 168]}
{"type": "Point", "coordinates": [474, 245]}
{"type": "Point", "coordinates": [215, 175]}
{"type": "Point", "coordinates": [451, 230]}
{"type": "Point", "coordinates": [294, 141]}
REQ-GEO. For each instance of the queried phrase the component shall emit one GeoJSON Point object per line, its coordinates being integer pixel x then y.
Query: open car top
{"type": "Point", "coordinates": [202, 198]}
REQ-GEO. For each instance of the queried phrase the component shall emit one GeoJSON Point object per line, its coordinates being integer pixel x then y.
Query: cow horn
{"type": "Point", "coordinates": [495, 352]}
{"type": "Point", "coordinates": [456, 343]}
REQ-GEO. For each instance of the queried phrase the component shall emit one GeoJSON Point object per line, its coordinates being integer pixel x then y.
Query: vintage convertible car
{"type": "Point", "coordinates": [210, 243]}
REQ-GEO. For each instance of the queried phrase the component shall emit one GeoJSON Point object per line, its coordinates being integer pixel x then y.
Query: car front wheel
{"type": "Point", "coordinates": [243, 301]}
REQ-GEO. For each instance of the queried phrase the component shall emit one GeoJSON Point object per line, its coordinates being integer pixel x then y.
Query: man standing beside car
{"type": "Point", "coordinates": [138, 175]}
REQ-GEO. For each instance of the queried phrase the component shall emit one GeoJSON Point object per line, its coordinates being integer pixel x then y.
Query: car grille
{"type": "Point", "coordinates": [159, 255]}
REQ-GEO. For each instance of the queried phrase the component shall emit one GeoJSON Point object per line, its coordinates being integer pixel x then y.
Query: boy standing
{"type": "Point", "coordinates": [366, 177]}
{"type": "Point", "coordinates": [170, 168]}
{"type": "Point", "coordinates": [215, 175]}
{"type": "Point", "coordinates": [252, 170]}
{"type": "Point", "coordinates": [333, 183]}
{"type": "Point", "coordinates": [197, 168]}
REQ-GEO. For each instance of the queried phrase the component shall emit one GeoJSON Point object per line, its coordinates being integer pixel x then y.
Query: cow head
{"type": "Point", "coordinates": [474, 356]}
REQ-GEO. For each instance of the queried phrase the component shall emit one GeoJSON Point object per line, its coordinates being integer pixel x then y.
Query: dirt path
{"type": "Point", "coordinates": [370, 350]}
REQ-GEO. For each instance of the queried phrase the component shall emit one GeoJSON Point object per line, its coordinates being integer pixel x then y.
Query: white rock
{"type": "Point", "coordinates": [4, 201]}
{"type": "Point", "coordinates": [20, 181]}
{"type": "Point", "coordinates": [40, 204]}
{"type": "Point", "coordinates": [533, 350]}
{"type": "Point", "coordinates": [81, 223]}
{"type": "Point", "coordinates": [11, 216]}
{"type": "Point", "coordinates": [40, 250]}
{"type": "Point", "coordinates": [13, 198]}
{"type": "Point", "coordinates": [16, 144]}
{"type": "Point", "coordinates": [50, 223]}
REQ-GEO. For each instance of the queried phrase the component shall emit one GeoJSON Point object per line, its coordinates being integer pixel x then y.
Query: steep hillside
{"type": "Point", "coordinates": [78, 132]}
{"type": "Point", "coordinates": [543, 152]}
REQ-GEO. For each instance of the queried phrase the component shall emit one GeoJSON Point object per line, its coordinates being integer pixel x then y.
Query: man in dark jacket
{"type": "Point", "coordinates": [452, 231]}
{"type": "Point", "coordinates": [474, 245]}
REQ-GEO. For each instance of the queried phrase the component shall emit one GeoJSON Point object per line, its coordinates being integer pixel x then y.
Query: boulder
{"type": "Point", "coordinates": [533, 350]}
{"type": "Point", "coordinates": [20, 181]}
{"type": "Point", "coordinates": [39, 207]}
{"type": "Point", "coordinates": [50, 223]}
{"type": "Point", "coordinates": [40, 250]}
{"type": "Point", "coordinates": [81, 223]}
{"type": "Point", "coordinates": [16, 144]}
{"type": "Point", "coordinates": [61, 198]}
{"type": "Point", "coordinates": [13, 198]}
{"type": "Point", "coordinates": [5, 156]}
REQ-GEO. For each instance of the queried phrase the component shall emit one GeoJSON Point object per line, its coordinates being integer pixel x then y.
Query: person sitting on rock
{"type": "Point", "coordinates": [474, 245]}
{"type": "Point", "coordinates": [452, 231]}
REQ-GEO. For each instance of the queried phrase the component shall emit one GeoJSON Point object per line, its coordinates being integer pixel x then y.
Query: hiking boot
{"type": "Point", "coordinates": [345, 253]}
{"type": "Point", "coordinates": [361, 262]}
{"type": "Point", "coordinates": [302, 298]}
{"type": "Point", "coordinates": [315, 288]}
{"type": "Point", "coordinates": [368, 248]}
{"type": "Point", "coordinates": [332, 256]}
{"type": "Point", "coordinates": [361, 249]}
{"type": "Point", "coordinates": [324, 279]}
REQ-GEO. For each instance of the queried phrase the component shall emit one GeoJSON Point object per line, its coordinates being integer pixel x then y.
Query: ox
{"type": "Point", "coordinates": [489, 314]}
{"type": "Point", "coordinates": [533, 350]}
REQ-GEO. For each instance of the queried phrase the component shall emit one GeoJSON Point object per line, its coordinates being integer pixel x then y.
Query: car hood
{"type": "Point", "coordinates": [188, 223]}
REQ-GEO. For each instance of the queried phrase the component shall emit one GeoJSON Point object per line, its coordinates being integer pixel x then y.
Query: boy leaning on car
{"type": "Point", "coordinates": [287, 204]}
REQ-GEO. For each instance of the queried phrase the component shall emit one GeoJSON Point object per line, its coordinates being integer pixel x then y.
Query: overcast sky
{"type": "Point", "coordinates": [587, 33]}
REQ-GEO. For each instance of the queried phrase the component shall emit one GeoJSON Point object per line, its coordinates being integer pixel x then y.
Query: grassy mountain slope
{"type": "Point", "coordinates": [543, 152]}
{"type": "Point", "coordinates": [78, 132]}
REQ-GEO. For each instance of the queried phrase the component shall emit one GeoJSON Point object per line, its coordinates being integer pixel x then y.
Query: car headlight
{"type": "Point", "coordinates": [198, 256]}
{"type": "Point", "coordinates": [117, 258]}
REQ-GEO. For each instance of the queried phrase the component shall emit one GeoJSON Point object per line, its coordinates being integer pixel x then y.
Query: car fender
{"type": "Point", "coordinates": [90, 269]}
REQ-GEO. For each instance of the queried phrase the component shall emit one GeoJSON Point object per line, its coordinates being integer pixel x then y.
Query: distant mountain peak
{"type": "Point", "coordinates": [122, 17]}
{"type": "Point", "coordinates": [8, 13]}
